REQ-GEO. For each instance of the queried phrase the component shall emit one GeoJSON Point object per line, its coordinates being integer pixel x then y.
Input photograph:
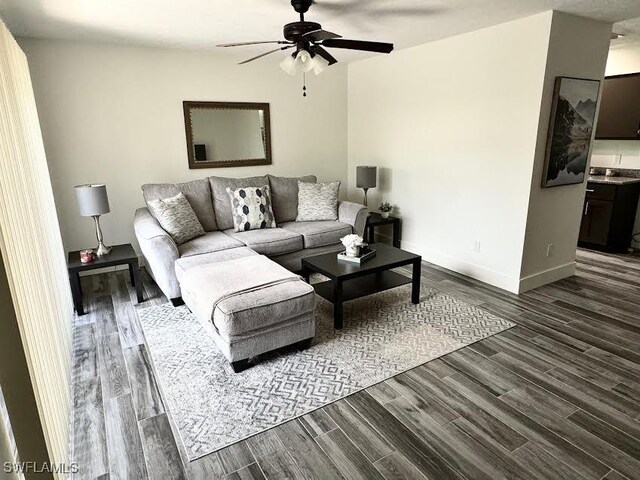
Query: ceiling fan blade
{"type": "Point", "coordinates": [242, 44]}
{"type": "Point", "coordinates": [378, 47]}
{"type": "Point", "coordinates": [320, 35]}
{"type": "Point", "coordinates": [265, 54]}
{"type": "Point", "coordinates": [317, 49]}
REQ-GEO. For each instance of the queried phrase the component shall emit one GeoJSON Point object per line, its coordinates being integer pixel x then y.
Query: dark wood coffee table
{"type": "Point", "coordinates": [348, 281]}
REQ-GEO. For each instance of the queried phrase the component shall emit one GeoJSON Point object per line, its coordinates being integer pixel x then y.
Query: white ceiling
{"type": "Point", "coordinates": [205, 23]}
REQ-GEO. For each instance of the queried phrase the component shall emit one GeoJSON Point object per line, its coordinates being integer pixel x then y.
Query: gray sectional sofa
{"type": "Point", "coordinates": [286, 245]}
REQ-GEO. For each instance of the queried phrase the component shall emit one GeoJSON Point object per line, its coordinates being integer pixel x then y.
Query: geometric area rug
{"type": "Point", "coordinates": [384, 335]}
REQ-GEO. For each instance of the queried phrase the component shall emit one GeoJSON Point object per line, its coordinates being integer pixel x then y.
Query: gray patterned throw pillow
{"type": "Point", "coordinates": [251, 208]}
{"type": "Point", "coordinates": [317, 201]}
{"type": "Point", "coordinates": [177, 217]}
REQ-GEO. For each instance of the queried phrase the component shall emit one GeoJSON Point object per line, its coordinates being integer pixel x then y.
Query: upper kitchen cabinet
{"type": "Point", "coordinates": [619, 117]}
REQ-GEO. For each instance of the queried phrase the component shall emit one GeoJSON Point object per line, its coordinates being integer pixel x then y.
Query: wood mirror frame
{"type": "Point", "coordinates": [194, 164]}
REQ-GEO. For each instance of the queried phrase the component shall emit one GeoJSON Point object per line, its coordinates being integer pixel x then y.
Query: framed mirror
{"type": "Point", "coordinates": [227, 134]}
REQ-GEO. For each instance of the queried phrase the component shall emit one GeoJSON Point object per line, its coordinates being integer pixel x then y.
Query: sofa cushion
{"type": "Point", "coordinates": [293, 261]}
{"type": "Point", "coordinates": [176, 217]}
{"type": "Point", "coordinates": [185, 263]}
{"type": "Point", "coordinates": [265, 307]}
{"type": "Point", "coordinates": [197, 193]}
{"type": "Point", "coordinates": [270, 241]}
{"type": "Point", "coordinates": [221, 200]}
{"type": "Point", "coordinates": [284, 196]}
{"type": "Point", "coordinates": [317, 201]}
{"type": "Point", "coordinates": [257, 293]}
{"type": "Point", "coordinates": [251, 208]}
{"type": "Point", "coordinates": [209, 242]}
{"type": "Point", "coordinates": [319, 234]}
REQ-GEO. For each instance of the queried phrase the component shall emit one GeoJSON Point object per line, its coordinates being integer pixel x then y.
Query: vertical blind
{"type": "Point", "coordinates": [32, 250]}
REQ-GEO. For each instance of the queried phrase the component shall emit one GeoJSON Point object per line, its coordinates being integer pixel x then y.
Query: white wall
{"type": "Point", "coordinates": [577, 48]}
{"type": "Point", "coordinates": [620, 153]}
{"type": "Point", "coordinates": [113, 115]}
{"type": "Point", "coordinates": [623, 58]}
{"type": "Point", "coordinates": [453, 127]}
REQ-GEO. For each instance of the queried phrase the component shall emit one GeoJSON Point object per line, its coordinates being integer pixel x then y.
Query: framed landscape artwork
{"type": "Point", "coordinates": [573, 114]}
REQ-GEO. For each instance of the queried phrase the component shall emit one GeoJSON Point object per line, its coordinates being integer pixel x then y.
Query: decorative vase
{"type": "Point", "coordinates": [353, 251]}
{"type": "Point", "coordinates": [384, 214]}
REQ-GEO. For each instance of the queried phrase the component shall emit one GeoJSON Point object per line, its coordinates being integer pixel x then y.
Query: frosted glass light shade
{"type": "Point", "coordinates": [304, 62]}
{"type": "Point", "coordinates": [289, 65]}
{"type": "Point", "coordinates": [92, 199]}
{"type": "Point", "coordinates": [366, 176]}
{"type": "Point", "coordinates": [319, 64]}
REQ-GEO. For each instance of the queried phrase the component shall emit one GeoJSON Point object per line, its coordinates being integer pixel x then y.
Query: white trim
{"type": "Point", "coordinates": [472, 270]}
{"type": "Point", "coordinates": [547, 276]}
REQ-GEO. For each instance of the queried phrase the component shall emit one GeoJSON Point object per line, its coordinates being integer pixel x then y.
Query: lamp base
{"type": "Point", "coordinates": [103, 250]}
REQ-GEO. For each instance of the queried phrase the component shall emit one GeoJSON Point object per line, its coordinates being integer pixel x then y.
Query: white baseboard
{"type": "Point", "coordinates": [497, 279]}
{"type": "Point", "coordinates": [547, 276]}
{"type": "Point", "coordinates": [478, 272]}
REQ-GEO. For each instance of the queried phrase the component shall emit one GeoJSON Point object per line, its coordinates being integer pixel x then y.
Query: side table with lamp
{"type": "Point", "coordinates": [366, 178]}
{"type": "Point", "coordinates": [93, 202]}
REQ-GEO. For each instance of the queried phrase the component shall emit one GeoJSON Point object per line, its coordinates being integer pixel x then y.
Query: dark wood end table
{"type": "Point", "coordinates": [375, 220]}
{"type": "Point", "coordinates": [348, 281]}
{"type": "Point", "coordinates": [119, 255]}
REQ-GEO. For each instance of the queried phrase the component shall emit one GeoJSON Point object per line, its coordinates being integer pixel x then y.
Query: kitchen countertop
{"type": "Point", "coordinates": [612, 180]}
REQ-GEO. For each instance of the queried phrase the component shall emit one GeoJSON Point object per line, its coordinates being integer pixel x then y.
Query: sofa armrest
{"type": "Point", "coordinates": [159, 250]}
{"type": "Point", "coordinates": [354, 214]}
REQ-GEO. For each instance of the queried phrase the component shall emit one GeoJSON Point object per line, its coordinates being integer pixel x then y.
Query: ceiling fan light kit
{"type": "Point", "coordinates": [303, 62]}
{"type": "Point", "coordinates": [310, 41]}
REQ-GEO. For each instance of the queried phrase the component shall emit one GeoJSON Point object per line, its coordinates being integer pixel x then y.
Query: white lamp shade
{"type": "Point", "coordinates": [319, 64]}
{"type": "Point", "coordinates": [92, 199]}
{"type": "Point", "coordinates": [366, 176]}
{"type": "Point", "coordinates": [304, 62]}
{"type": "Point", "coordinates": [289, 65]}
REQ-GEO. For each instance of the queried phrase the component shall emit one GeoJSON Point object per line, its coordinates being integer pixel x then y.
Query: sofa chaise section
{"type": "Point", "coordinates": [259, 307]}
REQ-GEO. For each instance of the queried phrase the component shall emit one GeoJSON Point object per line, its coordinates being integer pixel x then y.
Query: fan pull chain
{"type": "Point", "coordinates": [304, 84]}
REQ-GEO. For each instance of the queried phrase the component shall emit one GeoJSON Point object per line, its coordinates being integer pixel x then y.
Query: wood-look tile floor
{"type": "Point", "coordinates": [558, 396]}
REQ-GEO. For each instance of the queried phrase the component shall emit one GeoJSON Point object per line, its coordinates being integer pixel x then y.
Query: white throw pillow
{"type": "Point", "coordinates": [317, 201]}
{"type": "Point", "coordinates": [177, 217]}
{"type": "Point", "coordinates": [251, 208]}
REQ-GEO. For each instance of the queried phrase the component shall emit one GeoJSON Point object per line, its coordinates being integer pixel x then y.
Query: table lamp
{"type": "Point", "coordinates": [366, 178]}
{"type": "Point", "coordinates": [93, 202]}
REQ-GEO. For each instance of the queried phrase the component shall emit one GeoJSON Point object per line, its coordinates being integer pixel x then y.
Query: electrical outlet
{"type": "Point", "coordinates": [550, 249]}
{"type": "Point", "coordinates": [476, 246]}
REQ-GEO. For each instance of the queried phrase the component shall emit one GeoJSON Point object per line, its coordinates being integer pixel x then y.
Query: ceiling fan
{"type": "Point", "coordinates": [310, 42]}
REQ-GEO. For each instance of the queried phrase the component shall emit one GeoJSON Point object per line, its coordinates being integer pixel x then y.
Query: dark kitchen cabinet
{"type": "Point", "coordinates": [608, 216]}
{"type": "Point", "coordinates": [619, 117]}
{"type": "Point", "coordinates": [596, 219]}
